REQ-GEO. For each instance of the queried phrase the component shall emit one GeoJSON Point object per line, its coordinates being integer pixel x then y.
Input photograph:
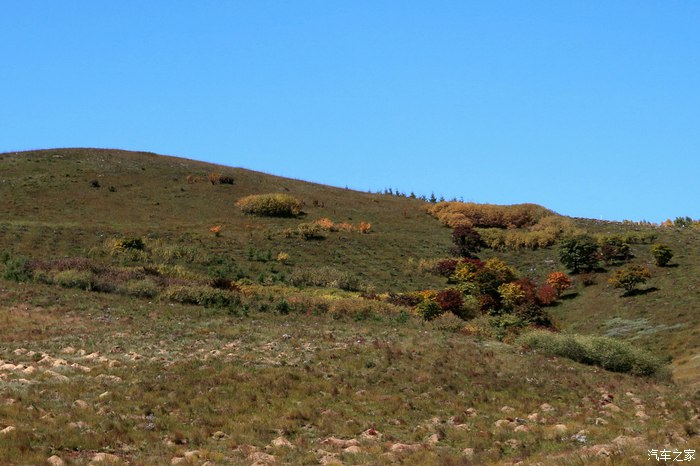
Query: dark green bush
{"type": "Point", "coordinates": [17, 270]}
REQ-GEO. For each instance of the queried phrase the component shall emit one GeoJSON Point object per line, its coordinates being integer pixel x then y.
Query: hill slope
{"type": "Point", "coordinates": [93, 360]}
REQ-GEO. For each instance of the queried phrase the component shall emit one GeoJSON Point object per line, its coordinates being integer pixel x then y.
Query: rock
{"type": "Point", "coordinates": [534, 417]}
{"type": "Point", "coordinates": [600, 421]}
{"type": "Point", "coordinates": [282, 442]}
{"type": "Point", "coordinates": [57, 376]}
{"type": "Point", "coordinates": [371, 434]}
{"type": "Point", "coordinates": [559, 428]}
{"type": "Point", "coordinates": [600, 450]}
{"type": "Point", "coordinates": [433, 439]}
{"type": "Point", "coordinates": [522, 429]}
{"type": "Point", "coordinates": [218, 435]}
{"type": "Point", "coordinates": [641, 415]}
{"type": "Point", "coordinates": [77, 366]}
{"type": "Point", "coordinates": [405, 447]}
{"type": "Point", "coordinates": [105, 378]}
{"type": "Point", "coordinates": [612, 407]}
{"type": "Point", "coordinates": [507, 409]}
{"type": "Point", "coordinates": [59, 362]}
{"type": "Point", "coordinates": [7, 430]}
{"type": "Point", "coordinates": [468, 452]}
{"type": "Point", "coordinates": [92, 356]}
{"type": "Point", "coordinates": [503, 423]}
{"type": "Point", "coordinates": [29, 370]}
{"type": "Point", "coordinates": [8, 367]}
{"type": "Point", "coordinates": [178, 460]}
{"type": "Point", "coordinates": [80, 404]}
{"type": "Point", "coordinates": [192, 455]}
{"type": "Point", "coordinates": [546, 407]}
{"type": "Point", "coordinates": [20, 351]}
{"type": "Point", "coordinates": [471, 412]}
{"type": "Point", "coordinates": [104, 395]}
{"type": "Point", "coordinates": [55, 461]}
{"type": "Point", "coordinates": [340, 443]}
{"type": "Point", "coordinates": [68, 350]}
{"type": "Point", "coordinates": [105, 458]}
{"type": "Point", "coordinates": [262, 459]}
{"type": "Point", "coordinates": [353, 450]}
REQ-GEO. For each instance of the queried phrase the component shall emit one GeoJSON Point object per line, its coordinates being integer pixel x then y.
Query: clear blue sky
{"type": "Point", "coordinates": [591, 108]}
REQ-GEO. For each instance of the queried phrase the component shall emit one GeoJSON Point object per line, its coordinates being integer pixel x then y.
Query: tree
{"type": "Point", "coordinates": [662, 254]}
{"type": "Point", "coordinates": [559, 281]}
{"type": "Point", "coordinates": [579, 253]}
{"type": "Point", "coordinates": [628, 278]}
{"type": "Point", "coordinates": [467, 241]}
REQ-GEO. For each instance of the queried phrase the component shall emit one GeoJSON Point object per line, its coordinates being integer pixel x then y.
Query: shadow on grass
{"type": "Point", "coordinates": [640, 292]}
{"type": "Point", "coordinates": [568, 296]}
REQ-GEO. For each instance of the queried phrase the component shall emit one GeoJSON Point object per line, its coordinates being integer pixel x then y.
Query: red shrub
{"type": "Point", "coordinates": [546, 295]}
{"type": "Point", "coordinates": [450, 300]}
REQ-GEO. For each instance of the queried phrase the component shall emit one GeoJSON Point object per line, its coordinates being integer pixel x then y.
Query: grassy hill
{"type": "Point", "coordinates": [116, 343]}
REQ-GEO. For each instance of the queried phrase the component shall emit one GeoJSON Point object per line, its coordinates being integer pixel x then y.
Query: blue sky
{"type": "Point", "coordinates": [591, 108]}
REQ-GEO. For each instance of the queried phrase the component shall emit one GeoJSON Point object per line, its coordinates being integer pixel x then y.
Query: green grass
{"type": "Point", "coordinates": [290, 354]}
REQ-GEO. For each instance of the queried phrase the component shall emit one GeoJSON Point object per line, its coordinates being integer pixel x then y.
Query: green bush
{"type": "Point", "coordinates": [270, 205]}
{"type": "Point", "coordinates": [72, 278]}
{"type": "Point", "coordinates": [144, 288]}
{"type": "Point", "coordinates": [429, 309]}
{"type": "Point", "coordinates": [662, 254]}
{"type": "Point", "coordinates": [608, 353]}
{"type": "Point", "coordinates": [16, 270]}
{"type": "Point", "coordinates": [201, 295]}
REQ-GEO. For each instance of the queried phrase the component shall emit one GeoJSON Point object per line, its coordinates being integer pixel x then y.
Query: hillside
{"type": "Point", "coordinates": [147, 319]}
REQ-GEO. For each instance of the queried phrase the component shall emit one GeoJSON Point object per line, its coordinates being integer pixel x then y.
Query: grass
{"type": "Point", "coordinates": [129, 371]}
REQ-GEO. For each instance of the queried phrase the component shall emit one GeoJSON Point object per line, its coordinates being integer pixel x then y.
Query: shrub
{"type": "Point", "coordinates": [662, 254]}
{"type": "Point", "coordinates": [214, 178]}
{"type": "Point", "coordinates": [364, 227]}
{"type": "Point", "coordinates": [445, 267]}
{"type": "Point", "coordinates": [225, 179]}
{"type": "Point", "coordinates": [201, 295]}
{"type": "Point", "coordinates": [614, 249]}
{"type": "Point", "coordinates": [559, 281]}
{"type": "Point", "coordinates": [467, 242]}
{"type": "Point", "coordinates": [17, 270]}
{"type": "Point", "coordinates": [546, 295]}
{"type": "Point", "coordinates": [310, 231]}
{"type": "Point", "coordinates": [270, 205]}
{"type": "Point", "coordinates": [428, 309]}
{"type": "Point", "coordinates": [628, 278]}
{"type": "Point", "coordinates": [447, 322]}
{"type": "Point", "coordinates": [216, 230]}
{"type": "Point", "coordinates": [326, 224]}
{"type": "Point", "coordinates": [450, 300]}
{"type": "Point", "coordinates": [488, 215]}
{"type": "Point", "coordinates": [75, 279]}
{"type": "Point", "coordinates": [511, 295]}
{"type": "Point", "coordinates": [608, 353]}
{"type": "Point", "coordinates": [282, 257]}
{"type": "Point", "coordinates": [143, 288]}
{"type": "Point", "coordinates": [579, 253]}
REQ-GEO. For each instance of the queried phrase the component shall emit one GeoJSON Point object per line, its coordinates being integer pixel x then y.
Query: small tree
{"type": "Point", "coordinates": [559, 281]}
{"type": "Point", "coordinates": [467, 241]}
{"type": "Point", "coordinates": [579, 254]}
{"type": "Point", "coordinates": [662, 254]}
{"type": "Point", "coordinates": [628, 278]}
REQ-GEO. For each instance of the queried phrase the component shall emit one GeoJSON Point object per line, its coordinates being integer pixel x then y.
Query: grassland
{"type": "Point", "coordinates": [304, 375]}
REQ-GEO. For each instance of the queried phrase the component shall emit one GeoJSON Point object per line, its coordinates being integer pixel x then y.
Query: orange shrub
{"type": "Point", "coordinates": [559, 281]}
{"type": "Point", "coordinates": [326, 224]}
{"type": "Point", "coordinates": [364, 227]}
{"type": "Point", "coordinates": [216, 230]}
